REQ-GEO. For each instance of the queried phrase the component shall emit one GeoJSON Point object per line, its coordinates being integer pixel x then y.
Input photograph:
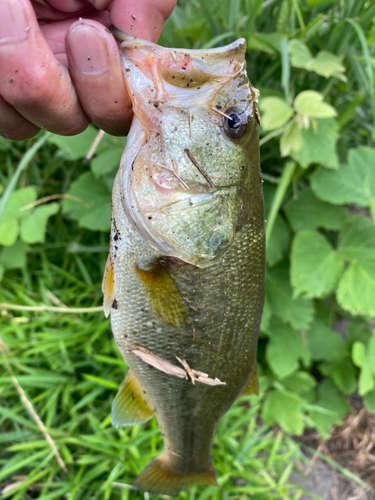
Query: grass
{"type": "Point", "coordinates": [69, 368]}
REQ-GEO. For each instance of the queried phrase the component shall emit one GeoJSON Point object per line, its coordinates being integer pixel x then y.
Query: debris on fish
{"type": "Point", "coordinates": [184, 280]}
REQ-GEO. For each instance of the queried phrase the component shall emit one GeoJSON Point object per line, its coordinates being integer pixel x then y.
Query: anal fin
{"type": "Point", "coordinates": [164, 297]}
{"type": "Point", "coordinates": [251, 388]}
{"type": "Point", "coordinates": [129, 406]}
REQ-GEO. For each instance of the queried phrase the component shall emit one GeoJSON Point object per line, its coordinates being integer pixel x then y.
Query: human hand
{"type": "Point", "coordinates": [60, 67]}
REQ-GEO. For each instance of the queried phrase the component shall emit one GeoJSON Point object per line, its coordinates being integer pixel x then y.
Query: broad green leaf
{"type": "Point", "coordinates": [284, 349]}
{"type": "Point", "coordinates": [106, 161]}
{"type": "Point", "coordinates": [343, 376]}
{"type": "Point", "coordinates": [33, 228]}
{"type": "Point", "coordinates": [291, 139]}
{"type": "Point", "coordinates": [359, 331]}
{"type": "Point", "coordinates": [356, 290]}
{"type": "Point", "coordinates": [366, 381]}
{"type": "Point", "coordinates": [284, 408]}
{"type": "Point", "coordinates": [15, 256]}
{"type": "Point", "coordinates": [308, 212]}
{"type": "Point", "coordinates": [353, 183]}
{"type": "Point", "coordinates": [2, 269]}
{"type": "Point", "coordinates": [315, 267]}
{"type": "Point", "coordinates": [318, 144]}
{"type": "Point", "coordinates": [19, 199]}
{"type": "Point", "coordinates": [358, 353]}
{"type": "Point", "coordinates": [326, 64]}
{"type": "Point", "coordinates": [265, 42]}
{"type": "Point", "coordinates": [9, 230]}
{"type": "Point", "coordinates": [324, 419]}
{"type": "Point", "coordinates": [300, 382]}
{"type": "Point", "coordinates": [4, 145]}
{"type": "Point", "coordinates": [298, 312]}
{"type": "Point", "coordinates": [309, 102]}
{"type": "Point", "coordinates": [76, 146]}
{"type": "Point", "coordinates": [9, 226]}
{"type": "Point", "coordinates": [266, 316]}
{"type": "Point", "coordinates": [332, 399]}
{"type": "Point", "coordinates": [332, 405]}
{"type": "Point", "coordinates": [279, 241]}
{"type": "Point", "coordinates": [357, 239]}
{"type": "Point", "coordinates": [370, 401]}
{"type": "Point", "coordinates": [324, 344]}
{"type": "Point", "coordinates": [371, 353]}
{"type": "Point", "coordinates": [300, 55]}
{"type": "Point", "coordinates": [276, 113]}
{"type": "Point", "coordinates": [94, 210]}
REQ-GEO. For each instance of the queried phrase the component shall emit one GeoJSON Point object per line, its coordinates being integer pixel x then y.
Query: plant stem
{"type": "Point", "coordinates": [25, 160]}
{"type": "Point", "coordinates": [285, 179]}
{"type": "Point", "coordinates": [43, 308]}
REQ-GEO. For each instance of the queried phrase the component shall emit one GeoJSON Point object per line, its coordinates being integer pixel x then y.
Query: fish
{"type": "Point", "coordinates": [184, 279]}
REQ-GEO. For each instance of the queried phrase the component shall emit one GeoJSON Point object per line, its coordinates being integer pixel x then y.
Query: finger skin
{"type": "Point", "coordinates": [104, 96]}
{"type": "Point", "coordinates": [35, 84]}
{"type": "Point", "coordinates": [100, 4]}
{"type": "Point", "coordinates": [68, 5]}
{"type": "Point", "coordinates": [141, 18]}
{"type": "Point", "coordinates": [13, 126]}
{"type": "Point", "coordinates": [102, 93]}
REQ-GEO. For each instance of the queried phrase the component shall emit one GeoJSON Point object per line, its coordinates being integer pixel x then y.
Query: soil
{"type": "Point", "coordinates": [351, 445]}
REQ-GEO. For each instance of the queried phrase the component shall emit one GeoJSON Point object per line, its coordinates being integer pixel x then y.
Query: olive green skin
{"type": "Point", "coordinates": [224, 296]}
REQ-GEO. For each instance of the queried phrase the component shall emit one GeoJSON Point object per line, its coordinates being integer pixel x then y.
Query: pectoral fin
{"type": "Point", "coordinates": [108, 287]}
{"type": "Point", "coordinates": [251, 387]}
{"type": "Point", "coordinates": [129, 406]}
{"type": "Point", "coordinates": [164, 297]}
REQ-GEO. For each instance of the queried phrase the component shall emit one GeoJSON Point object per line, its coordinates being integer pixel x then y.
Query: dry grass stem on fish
{"type": "Point", "coordinates": [197, 376]}
{"type": "Point", "coordinates": [221, 112]}
{"type": "Point", "coordinates": [171, 369]}
{"type": "Point", "coordinates": [199, 167]}
{"type": "Point", "coordinates": [181, 181]}
{"type": "Point", "coordinates": [157, 362]}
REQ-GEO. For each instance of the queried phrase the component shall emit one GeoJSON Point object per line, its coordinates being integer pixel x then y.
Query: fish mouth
{"type": "Point", "coordinates": [127, 41]}
{"type": "Point", "coordinates": [180, 77]}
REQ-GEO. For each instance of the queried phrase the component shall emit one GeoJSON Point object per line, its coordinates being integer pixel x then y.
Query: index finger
{"type": "Point", "coordinates": [140, 18]}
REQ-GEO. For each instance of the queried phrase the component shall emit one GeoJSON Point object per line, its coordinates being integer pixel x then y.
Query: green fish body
{"type": "Point", "coordinates": [184, 280]}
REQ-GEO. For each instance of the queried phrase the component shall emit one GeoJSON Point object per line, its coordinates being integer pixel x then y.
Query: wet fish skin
{"type": "Point", "coordinates": [185, 275]}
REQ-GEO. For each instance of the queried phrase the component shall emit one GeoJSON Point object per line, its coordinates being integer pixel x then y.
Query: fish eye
{"type": "Point", "coordinates": [234, 122]}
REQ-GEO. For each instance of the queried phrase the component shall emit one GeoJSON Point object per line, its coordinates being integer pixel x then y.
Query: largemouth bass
{"type": "Point", "coordinates": [184, 281]}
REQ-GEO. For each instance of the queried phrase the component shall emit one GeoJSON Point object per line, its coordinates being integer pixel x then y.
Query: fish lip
{"type": "Point", "coordinates": [236, 46]}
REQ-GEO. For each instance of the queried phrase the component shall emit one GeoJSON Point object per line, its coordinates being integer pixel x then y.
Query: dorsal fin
{"type": "Point", "coordinates": [129, 406]}
{"type": "Point", "coordinates": [251, 387]}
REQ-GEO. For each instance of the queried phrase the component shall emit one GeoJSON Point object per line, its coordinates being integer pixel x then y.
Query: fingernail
{"type": "Point", "coordinates": [88, 50]}
{"type": "Point", "coordinates": [13, 24]}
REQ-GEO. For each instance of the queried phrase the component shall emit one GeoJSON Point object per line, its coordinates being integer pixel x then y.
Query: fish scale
{"type": "Point", "coordinates": [184, 281]}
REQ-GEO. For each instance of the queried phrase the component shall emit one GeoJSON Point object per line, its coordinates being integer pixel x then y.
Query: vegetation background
{"type": "Point", "coordinates": [313, 62]}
